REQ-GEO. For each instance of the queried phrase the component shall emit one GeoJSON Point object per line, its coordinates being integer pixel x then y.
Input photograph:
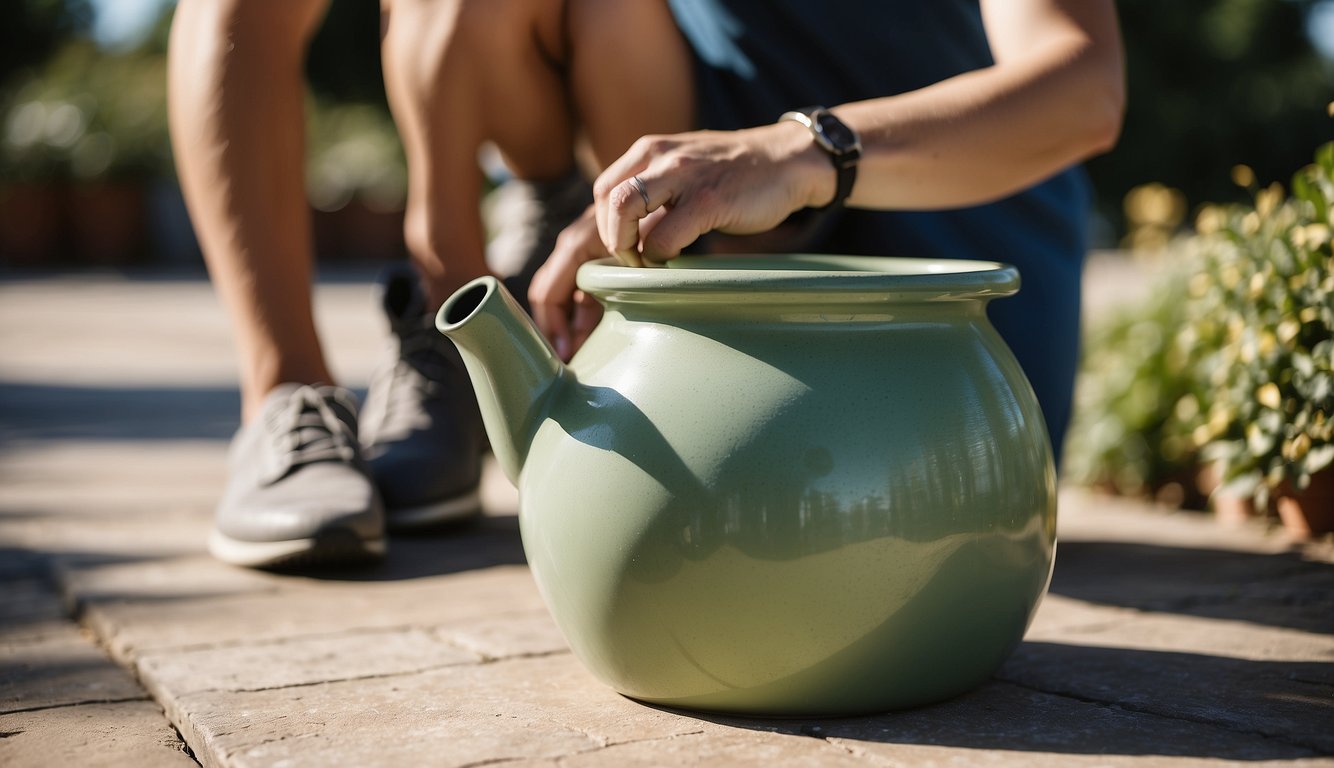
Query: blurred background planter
{"type": "Point", "coordinates": [1227, 371]}
{"type": "Point", "coordinates": [1309, 512]}
{"type": "Point", "coordinates": [358, 232]}
{"type": "Point", "coordinates": [30, 223]}
{"type": "Point", "coordinates": [108, 223]}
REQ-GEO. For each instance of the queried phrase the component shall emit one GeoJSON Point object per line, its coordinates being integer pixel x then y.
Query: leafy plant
{"type": "Point", "coordinates": [1231, 359]}
{"type": "Point", "coordinates": [88, 115]}
{"type": "Point", "coordinates": [1261, 311]}
{"type": "Point", "coordinates": [354, 152]}
{"type": "Point", "coordinates": [1133, 372]}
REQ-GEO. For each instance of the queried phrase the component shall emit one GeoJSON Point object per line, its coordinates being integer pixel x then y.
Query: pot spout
{"type": "Point", "coordinates": [513, 368]}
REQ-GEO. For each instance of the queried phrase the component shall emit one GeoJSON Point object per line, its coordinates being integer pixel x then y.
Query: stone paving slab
{"type": "Point", "coordinates": [62, 669]}
{"type": "Point", "coordinates": [62, 700]}
{"type": "Point", "coordinates": [130, 734]}
{"type": "Point", "coordinates": [1134, 679]}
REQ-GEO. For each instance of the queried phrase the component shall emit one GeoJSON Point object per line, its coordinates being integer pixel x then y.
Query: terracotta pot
{"type": "Point", "coordinates": [1228, 509]}
{"type": "Point", "coordinates": [1233, 510]}
{"type": "Point", "coordinates": [358, 233]}
{"type": "Point", "coordinates": [1309, 513]}
{"type": "Point", "coordinates": [108, 223]}
{"type": "Point", "coordinates": [31, 230]}
{"type": "Point", "coordinates": [809, 485]}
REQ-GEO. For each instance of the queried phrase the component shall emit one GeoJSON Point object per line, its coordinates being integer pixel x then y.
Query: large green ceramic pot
{"type": "Point", "coordinates": [783, 485]}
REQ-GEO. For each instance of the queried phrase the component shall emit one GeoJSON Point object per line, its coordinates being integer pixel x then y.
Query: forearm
{"type": "Point", "coordinates": [1047, 103]}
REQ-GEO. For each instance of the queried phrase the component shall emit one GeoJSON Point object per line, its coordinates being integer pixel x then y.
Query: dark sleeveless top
{"type": "Point", "coordinates": [755, 59]}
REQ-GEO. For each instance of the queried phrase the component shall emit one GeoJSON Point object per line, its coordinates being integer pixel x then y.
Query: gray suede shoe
{"type": "Point", "coordinates": [298, 492]}
{"type": "Point", "coordinates": [421, 430]}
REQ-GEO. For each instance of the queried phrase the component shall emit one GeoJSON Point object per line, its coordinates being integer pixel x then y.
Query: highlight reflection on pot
{"type": "Point", "coordinates": [775, 485]}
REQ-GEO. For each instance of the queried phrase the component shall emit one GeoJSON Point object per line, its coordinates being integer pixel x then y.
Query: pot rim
{"type": "Point", "coordinates": [800, 273]}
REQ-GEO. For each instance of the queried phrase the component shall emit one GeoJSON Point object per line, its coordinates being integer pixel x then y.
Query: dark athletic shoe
{"type": "Point", "coordinates": [298, 492]}
{"type": "Point", "coordinates": [421, 430]}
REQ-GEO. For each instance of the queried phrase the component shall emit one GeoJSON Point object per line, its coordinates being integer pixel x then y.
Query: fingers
{"type": "Point", "coordinates": [665, 235]}
{"type": "Point", "coordinates": [561, 311]}
{"type": "Point", "coordinates": [625, 193]}
{"type": "Point", "coordinates": [550, 315]}
{"type": "Point", "coordinates": [667, 191]}
{"type": "Point", "coordinates": [587, 315]}
{"type": "Point", "coordinates": [627, 203]}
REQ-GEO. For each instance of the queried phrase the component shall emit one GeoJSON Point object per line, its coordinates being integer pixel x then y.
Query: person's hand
{"type": "Point", "coordinates": [666, 191]}
{"type": "Point", "coordinates": [565, 314]}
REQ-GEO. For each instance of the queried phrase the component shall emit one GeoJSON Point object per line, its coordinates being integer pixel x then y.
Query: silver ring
{"type": "Point", "coordinates": [638, 184]}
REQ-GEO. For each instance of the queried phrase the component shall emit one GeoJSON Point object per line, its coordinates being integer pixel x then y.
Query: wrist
{"type": "Point", "coordinates": [839, 143]}
{"type": "Point", "coordinates": [813, 179]}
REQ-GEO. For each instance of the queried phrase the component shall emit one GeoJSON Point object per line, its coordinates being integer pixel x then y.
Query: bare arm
{"type": "Point", "coordinates": [1053, 97]}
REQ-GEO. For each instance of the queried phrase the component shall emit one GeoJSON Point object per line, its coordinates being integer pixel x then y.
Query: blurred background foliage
{"type": "Point", "coordinates": [1219, 386]}
{"type": "Point", "coordinates": [1212, 83]}
{"type": "Point", "coordinates": [1215, 83]}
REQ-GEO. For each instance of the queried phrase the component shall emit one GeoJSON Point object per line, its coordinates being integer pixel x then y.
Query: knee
{"type": "Point", "coordinates": [591, 22]}
{"type": "Point", "coordinates": [433, 26]}
{"type": "Point", "coordinates": [254, 22]}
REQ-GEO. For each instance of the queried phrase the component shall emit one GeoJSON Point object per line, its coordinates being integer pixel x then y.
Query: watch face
{"type": "Point", "coordinates": [840, 136]}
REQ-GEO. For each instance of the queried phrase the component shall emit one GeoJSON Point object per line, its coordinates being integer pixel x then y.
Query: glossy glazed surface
{"type": "Point", "coordinates": [812, 485]}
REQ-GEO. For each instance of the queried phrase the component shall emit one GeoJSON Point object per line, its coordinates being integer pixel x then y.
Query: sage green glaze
{"type": "Point", "coordinates": [801, 485]}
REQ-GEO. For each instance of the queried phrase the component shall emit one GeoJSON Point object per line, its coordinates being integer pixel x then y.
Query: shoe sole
{"type": "Point", "coordinates": [437, 512]}
{"type": "Point", "coordinates": [335, 547]}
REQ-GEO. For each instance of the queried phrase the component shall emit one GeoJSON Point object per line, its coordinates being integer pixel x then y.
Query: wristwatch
{"type": "Point", "coordinates": [837, 139]}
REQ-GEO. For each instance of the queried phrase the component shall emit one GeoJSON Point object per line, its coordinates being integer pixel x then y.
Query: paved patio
{"type": "Point", "coordinates": [1166, 639]}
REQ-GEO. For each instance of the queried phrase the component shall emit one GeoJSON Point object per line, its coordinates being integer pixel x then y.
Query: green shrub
{"type": "Point", "coordinates": [1230, 361]}
{"type": "Point", "coordinates": [1262, 313]}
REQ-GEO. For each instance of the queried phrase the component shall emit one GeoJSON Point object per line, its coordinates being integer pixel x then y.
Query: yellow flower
{"type": "Point", "coordinates": [1257, 286]}
{"type": "Point", "coordinates": [1229, 276]}
{"type": "Point", "coordinates": [1266, 344]}
{"type": "Point", "coordinates": [1269, 396]}
{"type": "Point", "coordinates": [1187, 408]}
{"type": "Point", "coordinates": [1210, 219]}
{"type": "Point", "coordinates": [1315, 235]}
{"type": "Point", "coordinates": [1268, 199]}
{"type": "Point", "coordinates": [1296, 448]}
{"type": "Point", "coordinates": [1288, 330]}
{"type": "Point", "coordinates": [1242, 175]}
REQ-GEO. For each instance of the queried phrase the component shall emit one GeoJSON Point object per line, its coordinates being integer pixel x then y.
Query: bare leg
{"type": "Point", "coordinates": [629, 73]}
{"type": "Point", "coordinates": [237, 125]}
{"type": "Point", "coordinates": [460, 72]}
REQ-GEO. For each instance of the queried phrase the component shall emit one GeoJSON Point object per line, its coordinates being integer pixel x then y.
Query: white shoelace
{"type": "Point", "coordinates": [307, 430]}
{"type": "Point", "coordinates": [415, 376]}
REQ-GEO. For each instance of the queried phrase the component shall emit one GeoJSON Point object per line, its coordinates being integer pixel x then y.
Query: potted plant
{"type": "Point", "coordinates": [1261, 310]}
{"type": "Point", "coordinates": [85, 136]}
{"type": "Point", "coordinates": [1126, 438]}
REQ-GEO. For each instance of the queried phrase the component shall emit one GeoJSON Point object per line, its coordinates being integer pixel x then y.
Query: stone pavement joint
{"type": "Point", "coordinates": [1165, 639]}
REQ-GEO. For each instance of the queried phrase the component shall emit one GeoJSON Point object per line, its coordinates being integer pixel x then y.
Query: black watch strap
{"type": "Point", "coordinates": [838, 140]}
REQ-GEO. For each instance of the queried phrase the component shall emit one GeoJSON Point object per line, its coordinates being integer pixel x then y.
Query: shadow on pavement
{"type": "Point", "coordinates": [31, 412]}
{"type": "Point", "coordinates": [472, 545]}
{"type": "Point", "coordinates": [1081, 700]}
{"type": "Point", "coordinates": [1279, 590]}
